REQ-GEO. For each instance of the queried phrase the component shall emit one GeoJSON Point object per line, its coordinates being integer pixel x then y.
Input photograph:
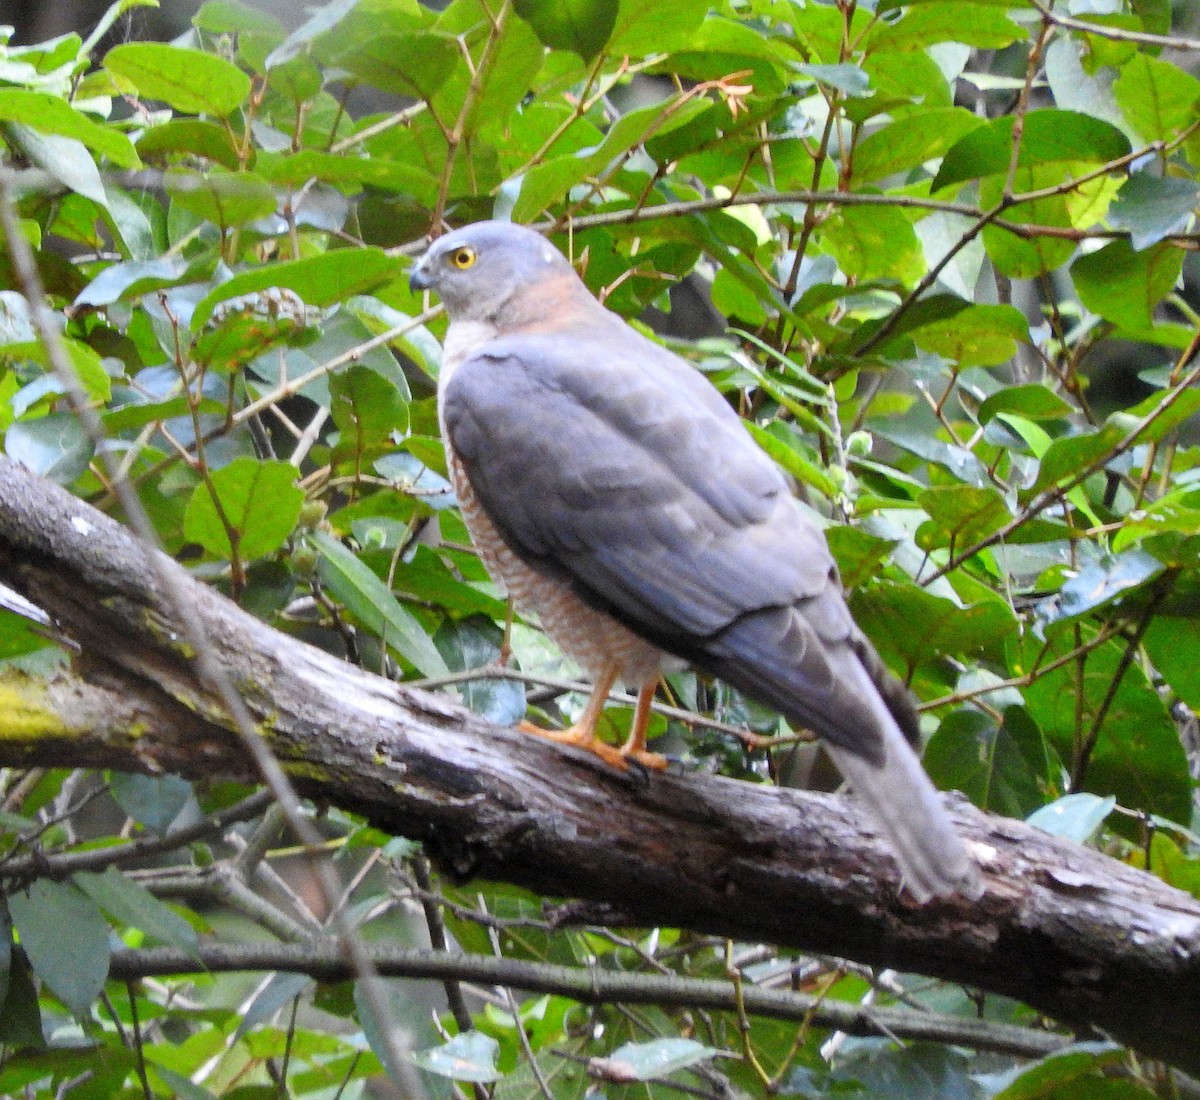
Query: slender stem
{"type": "Point", "coordinates": [325, 961]}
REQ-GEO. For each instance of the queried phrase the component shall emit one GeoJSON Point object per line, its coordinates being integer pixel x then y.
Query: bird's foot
{"type": "Point", "coordinates": [586, 739]}
{"type": "Point", "coordinates": [655, 761]}
{"type": "Point", "coordinates": [635, 749]}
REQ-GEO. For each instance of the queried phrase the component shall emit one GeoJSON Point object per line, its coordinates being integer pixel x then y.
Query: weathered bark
{"type": "Point", "coordinates": [1079, 936]}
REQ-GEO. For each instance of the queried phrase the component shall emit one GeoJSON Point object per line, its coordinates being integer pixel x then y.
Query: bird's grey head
{"type": "Point", "coordinates": [477, 270]}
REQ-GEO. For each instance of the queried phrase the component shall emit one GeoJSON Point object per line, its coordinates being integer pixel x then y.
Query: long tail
{"type": "Point", "coordinates": [932, 857]}
{"type": "Point", "coordinates": [778, 657]}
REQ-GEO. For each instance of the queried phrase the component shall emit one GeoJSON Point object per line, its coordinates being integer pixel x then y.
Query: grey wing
{"type": "Point", "coordinates": [611, 464]}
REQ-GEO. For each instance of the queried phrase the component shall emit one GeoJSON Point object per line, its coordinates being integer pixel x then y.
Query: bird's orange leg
{"type": "Point", "coordinates": [583, 732]}
{"type": "Point", "coordinates": [635, 747]}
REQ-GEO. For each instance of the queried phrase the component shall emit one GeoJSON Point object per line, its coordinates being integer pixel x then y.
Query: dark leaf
{"type": "Point", "coordinates": [583, 26]}
{"type": "Point", "coordinates": [65, 938]}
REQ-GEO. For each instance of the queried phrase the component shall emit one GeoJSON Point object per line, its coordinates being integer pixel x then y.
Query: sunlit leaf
{"type": "Point", "coordinates": [51, 115]}
{"type": "Point", "coordinates": [371, 602]}
{"type": "Point", "coordinates": [1049, 136]}
{"type": "Point", "coordinates": [248, 506]}
{"type": "Point", "coordinates": [189, 80]}
{"type": "Point", "coordinates": [318, 280]}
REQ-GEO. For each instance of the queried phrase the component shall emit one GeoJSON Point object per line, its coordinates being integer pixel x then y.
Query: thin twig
{"type": "Point", "coordinates": [325, 961]}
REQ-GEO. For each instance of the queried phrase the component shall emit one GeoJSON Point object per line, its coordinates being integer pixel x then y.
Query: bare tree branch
{"type": "Point", "coordinates": [1077, 935]}
{"type": "Point", "coordinates": [322, 960]}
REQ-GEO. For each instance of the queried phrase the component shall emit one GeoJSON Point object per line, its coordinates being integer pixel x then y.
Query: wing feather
{"type": "Point", "coordinates": [611, 464]}
{"type": "Point", "coordinates": [614, 470]}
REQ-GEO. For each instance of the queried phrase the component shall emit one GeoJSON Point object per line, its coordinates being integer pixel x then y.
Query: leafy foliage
{"type": "Point", "coordinates": [923, 228]}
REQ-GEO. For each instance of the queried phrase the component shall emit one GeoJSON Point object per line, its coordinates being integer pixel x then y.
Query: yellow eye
{"type": "Point", "coordinates": [462, 258]}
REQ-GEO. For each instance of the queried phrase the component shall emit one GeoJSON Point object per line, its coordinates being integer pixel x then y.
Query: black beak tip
{"type": "Point", "coordinates": [419, 280]}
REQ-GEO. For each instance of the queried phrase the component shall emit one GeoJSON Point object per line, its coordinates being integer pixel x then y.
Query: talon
{"type": "Point", "coordinates": [583, 733]}
{"type": "Point", "coordinates": [581, 738]}
{"type": "Point", "coordinates": [655, 761]}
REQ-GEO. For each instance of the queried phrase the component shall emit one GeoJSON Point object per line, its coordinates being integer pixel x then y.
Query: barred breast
{"type": "Point", "coordinates": [589, 637]}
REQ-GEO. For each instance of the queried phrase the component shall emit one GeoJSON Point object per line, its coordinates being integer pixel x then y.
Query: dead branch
{"type": "Point", "coordinates": [1079, 936]}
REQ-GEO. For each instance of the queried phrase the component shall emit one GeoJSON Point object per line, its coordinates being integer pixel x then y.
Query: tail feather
{"type": "Point", "coordinates": [839, 688]}
{"type": "Point", "coordinates": [932, 857]}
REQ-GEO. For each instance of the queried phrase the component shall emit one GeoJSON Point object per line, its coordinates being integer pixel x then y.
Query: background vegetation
{"type": "Point", "coordinates": [936, 253]}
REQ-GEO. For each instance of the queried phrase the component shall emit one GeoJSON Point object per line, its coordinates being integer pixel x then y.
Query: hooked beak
{"type": "Point", "coordinates": [419, 279]}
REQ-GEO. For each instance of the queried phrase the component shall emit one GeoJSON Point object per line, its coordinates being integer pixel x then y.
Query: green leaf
{"type": "Point", "coordinates": [874, 242]}
{"type": "Point", "coordinates": [989, 762]}
{"type": "Point", "coordinates": [259, 504]}
{"type": "Point", "coordinates": [911, 140]}
{"type": "Point", "coordinates": [859, 555]}
{"type": "Point", "coordinates": [427, 576]}
{"type": "Point", "coordinates": [280, 990]}
{"type": "Point", "coordinates": [960, 515]}
{"type": "Point", "coordinates": [1124, 286]}
{"type": "Point", "coordinates": [190, 81]}
{"type": "Point", "coordinates": [551, 180]}
{"type": "Point", "coordinates": [130, 903]}
{"type": "Point", "coordinates": [846, 78]}
{"type": "Point", "coordinates": [153, 801]}
{"type": "Point", "coordinates": [657, 1058]}
{"type": "Point", "coordinates": [470, 1056]}
{"type": "Point", "coordinates": [231, 17]}
{"type": "Point", "coordinates": [582, 26]}
{"type": "Point", "coordinates": [18, 636]}
{"type": "Point", "coordinates": [1138, 756]}
{"type": "Point", "coordinates": [318, 280]}
{"type": "Point", "coordinates": [978, 336]}
{"type": "Point", "coordinates": [191, 136]}
{"type": "Point", "coordinates": [646, 27]}
{"type": "Point", "coordinates": [89, 370]}
{"type": "Point", "coordinates": [1157, 97]}
{"type": "Point", "coordinates": [296, 169]}
{"type": "Point", "coordinates": [66, 940]}
{"type": "Point", "coordinates": [20, 1015]}
{"type": "Point", "coordinates": [370, 414]}
{"type": "Point", "coordinates": [933, 626]}
{"type": "Point", "coordinates": [1099, 583]}
{"type": "Point", "coordinates": [782, 444]}
{"type": "Point", "coordinates": [132, 280]}
{"type": "Point", "coordinates": [963, 464]}
{"type": "Point", "coordinates": [1049, 137]}
{"type": "Point", "coordinates": [980, 25]}
{"type": "Point", "coordinates": [370, 601]}
{"type": "Point", "coordinates": [1027, 257]}
{"type": "Point", "coordinates": [6, 952]}
{"type": "Point", "coordinates": [65, 159]}
{"type": "Point", "coordinates": [222, 197]}
{"type": "Point", "coordinates": [405, 64]}
{"type": "Point", "coordinates": [55, 446]}
{"type": "Point", "coordinates": [1172, 643]}
{"type": "Point", "coordinates": [1067, 457]}
{"type": "Point", "coordinates": [922, 1071]}
{"type": "Point", "coordinates": [1045, 1078]}
{"type": "Point", "coordinates": [1153, 207]}
{"type": "Point", "coordinates": [1031, 400]}
{"type": "Point", "coordinates": [137, 414]}
{"type": "Point", "coordinates": [322, 20]}
{"type": "Point", "coordinates": [1074, 816]}
{"type": "Point", "coordinates": [474, 643]}
{"type": "Point", "coordinates": [51, 115]}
